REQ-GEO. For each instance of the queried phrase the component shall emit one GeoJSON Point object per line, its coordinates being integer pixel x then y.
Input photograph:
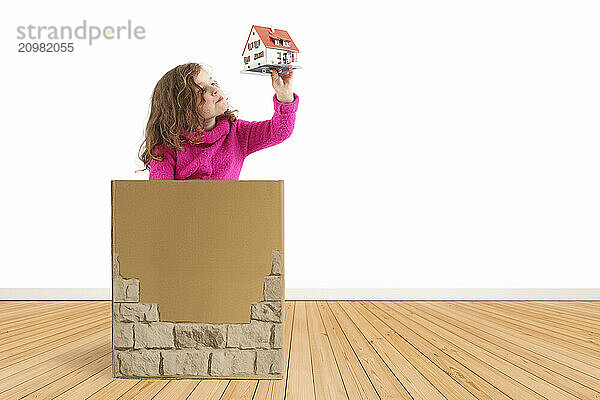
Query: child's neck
{"type": "Point", "coordinates": [210, 124]}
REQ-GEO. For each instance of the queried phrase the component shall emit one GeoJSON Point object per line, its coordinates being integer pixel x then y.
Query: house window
{"type": "Point", "coordinates": [256, 44]}
{"type": "Point", "coordinates": [275, 41]}
{"type": "Point", "coordinates": [246, 59]}
{"type": "Point", "coordinates": [279, 55]}
{"type": "Point", "coordinates": [250, 45]}
{"type": "Point", "coordinates": [259, 55]}
{"type": "Point", "coordinates": [286, 43]}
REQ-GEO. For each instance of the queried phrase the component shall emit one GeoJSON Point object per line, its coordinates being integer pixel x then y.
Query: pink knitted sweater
{"type": "Point", "coordinates": [225, 147]}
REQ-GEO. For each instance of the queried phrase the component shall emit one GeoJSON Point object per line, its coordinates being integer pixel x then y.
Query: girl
{"type": "Point", "coordinates": [192, 133]}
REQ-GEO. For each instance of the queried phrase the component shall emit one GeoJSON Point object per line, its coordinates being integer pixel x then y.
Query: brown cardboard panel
{"type": "Point", "coordinates": [198, 280]}
{"type": "Point", "coordinates": [186, 241]}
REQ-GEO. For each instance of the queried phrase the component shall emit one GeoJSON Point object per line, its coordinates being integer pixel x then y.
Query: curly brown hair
{"type": "Point", "coordinates": [173, 109]}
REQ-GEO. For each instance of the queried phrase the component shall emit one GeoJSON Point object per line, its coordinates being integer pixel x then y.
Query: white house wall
{"type": "Point", "coordinates": [272, 56]}
{"type": "Point", "coordinates": [254, 63]}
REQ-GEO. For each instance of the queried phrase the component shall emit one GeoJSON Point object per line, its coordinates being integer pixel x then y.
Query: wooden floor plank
{"type": "Point", "coordinates": [519, 340]}
{"type": "Point", "coordinates": [364, 350]}
{"type": "Point", "coordinates": [89, 386]}
{"type": "Point", "coordinates": [571, 368]}
{"type": "Point", "coordinates": [9, 312]}
{"type": "Point", "coordinates": [21, 377]}
{"type": "Point", "coordinates": [550, 322]}
{"type": "Point", "coordinates": [456, 381]}
{"type": "Point", "coordinates": [412, 378]}
{"type": "Point", "coordinates": [491, 368]}
{"type": "Point", "coordinates": [326, 374]}
{"type": "Point", "coordinates": [63, 383]}
{"type": "Point", "coordinates": [25, 307]}
{"type": "Point", "coordinates": [300, 382]}
{"type": "Point", "coordinates": [60, 378]}
{"type": "Point", "coordinates": [388, 386]}
{"type": "Point", "coordinates": [22, 336]}
{"type": "Point", "coordinates": [209, 389]}
{"type": "Point", "coordinates": [553, 307]}
{"type": "Point", "coordinates": [145, 389]}
{"type": "Point", "coordinates": [356, 381]}
{"type": "Point", "coordinates": [58, 318]}
{"type": "Point", "coordinates": [557, 374]}
{"type": "Point", "coordinates": [177, 389]}
{"type": "Point", "coordinates": [239, 389]}
{"type": "Point", "coordinates": [533, 328]}
{"type": "Point", "coordinates": [590, 305]}
{"type": "Point", "coordinates": [115, 389]}
{"type": "Point", "coordinates": [26, 345]}
{"type": "Point", "coordinates": [576, 360]}
{"type": "Point", "coordinates": [590, 312]}
{"type": "Point", "coordinates": [558, 314]}
{"type": "Point", "coordinates": [30, 310]}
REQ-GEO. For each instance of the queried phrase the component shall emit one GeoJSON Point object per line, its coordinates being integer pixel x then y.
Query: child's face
{"type": "Point", "coordinates": [214, 100]}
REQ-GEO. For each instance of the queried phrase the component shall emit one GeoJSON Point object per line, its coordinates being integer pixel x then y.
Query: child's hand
{"type": "Point", "coordinates": [283, 85]}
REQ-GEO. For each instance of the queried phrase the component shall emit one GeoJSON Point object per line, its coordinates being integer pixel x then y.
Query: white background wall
{"type": "Point", "coordinates": [467, 156]}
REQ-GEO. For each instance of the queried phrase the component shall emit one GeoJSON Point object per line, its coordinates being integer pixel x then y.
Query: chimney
{"type": "Point", "coordinates": [271, 29]}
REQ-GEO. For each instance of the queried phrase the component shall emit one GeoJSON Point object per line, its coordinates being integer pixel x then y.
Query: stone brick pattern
{"type": "Point", "coordinates": [143, 346]}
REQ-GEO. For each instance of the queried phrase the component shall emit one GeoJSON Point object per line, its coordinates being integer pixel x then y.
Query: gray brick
{"type": "Point", "coordinates": [138, 312]}
{"type": "Point", "coordinates": [139, 362]}
{"type": "Point", "coordinates": [232, 362]}
{"type": "Point", "coordinates": [272, 288]}
{"type": "Point", "coordinates": [268, 362]}
{"type": "Point", "coordinates": [115, 361]}
{"type": "Point", "coordinates": [122, 334]}
{"type": "Point", "coordinates": [185, 362]}
{"type": "Point", "coordinates": [153, 335]}
{"type": "Point", "coordinates": [126, 290]}
{"type": "Point", "coordinates": [255, 335]}
{"type": "Point", "coordinates": [276, 262]}
{"type": "Point", "coordinates": [195, 335]}
{"type": "Point", "coordinates": [277, 336]}
{"type": "Point", "coordinates": [115, 265]}
{"type": "Point", "coordinates": [266, 311]}
{"type": "Point", "coordinates": [116, 311]}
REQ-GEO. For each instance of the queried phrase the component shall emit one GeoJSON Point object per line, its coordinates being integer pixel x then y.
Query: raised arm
{"type": "Point", "coordinates": [165, 169]}
{"type": "Point", "coordinates": [260, 135]}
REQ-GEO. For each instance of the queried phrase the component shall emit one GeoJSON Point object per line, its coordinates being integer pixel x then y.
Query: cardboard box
{"type": "Point", "coordinates": [197, 279]}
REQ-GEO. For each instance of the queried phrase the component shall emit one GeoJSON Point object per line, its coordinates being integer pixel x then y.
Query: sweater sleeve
{"type": "Point", "coordinates": [165, 169]}
{"type": "Point", "coordinates": [260, 135]}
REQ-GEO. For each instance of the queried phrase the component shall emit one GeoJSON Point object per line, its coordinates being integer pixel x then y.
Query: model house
{"type": "Point", "coordinates": [269, 47]}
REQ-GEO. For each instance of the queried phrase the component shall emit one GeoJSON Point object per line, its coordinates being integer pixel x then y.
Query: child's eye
{"type": "Point", "coordinates": [215, 84]}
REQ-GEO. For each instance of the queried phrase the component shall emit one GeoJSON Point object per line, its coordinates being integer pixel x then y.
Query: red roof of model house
{"type": "Point", "coordinates": [265, 36]}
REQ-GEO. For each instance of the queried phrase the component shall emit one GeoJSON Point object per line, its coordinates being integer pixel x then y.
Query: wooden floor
{"type": "Point", "coordinates": [333, 350]}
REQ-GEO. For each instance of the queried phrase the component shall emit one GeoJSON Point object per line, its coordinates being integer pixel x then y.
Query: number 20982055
{"type": "Point", "coordinates": [45, 47]}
